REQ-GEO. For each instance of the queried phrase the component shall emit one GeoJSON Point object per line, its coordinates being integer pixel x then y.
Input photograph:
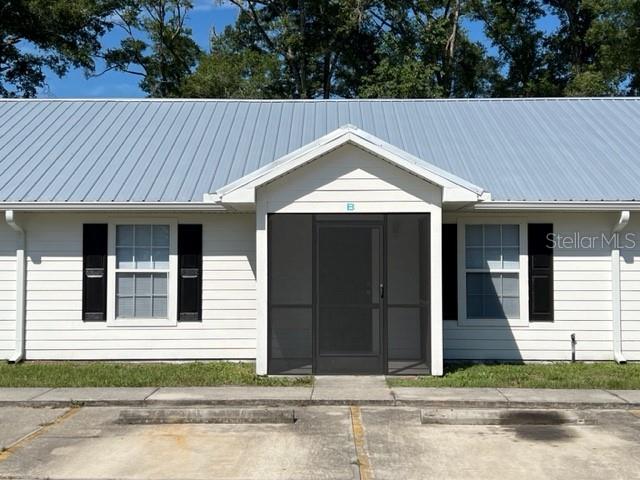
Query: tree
{"type": "Point", "coordinates": [333, 48]}
{"type": "Point", "coordinates": [595, 49]}
{"type": "Point", "coordinates": [627, 17]}
{"type": "Point", "coordinates": [425, 52]}
{"type": "Point", "coordinates": [228, 72]}
{"type": "Point", "coordinates": [512, 27]}
{"type": "Point", "coordinates": [592, 51]}
{"type": "Point", "coordinates": [323, 47]}
{"type": "Point", "coordinates": [36, 35]}
{"type": "Point", "coordinates": [157, 46]}
{"type": "Point", "coordinates": [345, 48]}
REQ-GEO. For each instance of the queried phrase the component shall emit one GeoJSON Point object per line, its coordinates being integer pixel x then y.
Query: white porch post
{"type": "Point", "coordinates": [262, 254]}
{"type": "Point", "coordinates": [436, 292]}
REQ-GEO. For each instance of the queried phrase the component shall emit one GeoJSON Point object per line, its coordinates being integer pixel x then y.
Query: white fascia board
{"type": "Point", "coordinates": [457, 194]}
{"type": "Point", "coordinates": [242, 191]}
{"type": "Point", "coordinates": [111, 206]}
{"type": "Point", "coordinates": [241, 196]}
{"type": "Point", "coordinates": [603, 206]}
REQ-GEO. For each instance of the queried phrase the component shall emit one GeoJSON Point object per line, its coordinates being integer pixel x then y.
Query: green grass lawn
{"type": "Point", "coordinates": [552, 375]}
{"type": "Point", "coordinates": [112, 374]}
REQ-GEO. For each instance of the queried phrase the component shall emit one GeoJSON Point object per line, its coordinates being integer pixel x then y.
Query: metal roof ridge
{"type": "Point", "coordinates": [323, 100]}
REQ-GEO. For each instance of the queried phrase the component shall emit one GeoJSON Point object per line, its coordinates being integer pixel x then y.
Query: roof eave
{"type": "Point", "coordinates": [559, 205]}
{"type": "Point", "coordinates": [113, 206]}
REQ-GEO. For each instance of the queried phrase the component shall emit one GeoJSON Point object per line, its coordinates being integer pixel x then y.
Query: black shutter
{"type": "Point", "coordinates": [540, 272]}
{"type": "Point", "coordinates": [94, 271]}
{"type": "Point", "coordinates": [189, 273]}
{"type": "Point", "coordinates": [450, 271]}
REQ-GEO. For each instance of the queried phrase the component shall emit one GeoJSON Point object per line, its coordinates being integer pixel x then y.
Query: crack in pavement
{"type": "Point", "coordinates": [7, 452]}
{"type": "Point", "coordinates": [362, 457]}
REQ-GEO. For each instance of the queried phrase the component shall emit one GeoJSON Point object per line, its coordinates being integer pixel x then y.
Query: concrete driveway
{"type": "Point", "coordinates": [325, 442]}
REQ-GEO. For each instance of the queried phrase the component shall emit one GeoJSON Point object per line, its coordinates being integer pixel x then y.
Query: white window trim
{"type": "Point", "coordinates": [172, 280]}
{"type": "Point", "coordinates": [523, 275]}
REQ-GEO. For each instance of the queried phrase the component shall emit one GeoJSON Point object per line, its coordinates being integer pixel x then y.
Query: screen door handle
{"type": "Point", "coordinates": [381, 290]}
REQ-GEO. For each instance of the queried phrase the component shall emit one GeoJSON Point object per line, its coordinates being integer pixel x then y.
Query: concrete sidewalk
{"type": "Point", "coordinates": [345, 390]}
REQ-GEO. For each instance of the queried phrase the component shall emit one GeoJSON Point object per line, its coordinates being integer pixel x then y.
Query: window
{"type": "Point", "coordinates": [142, 270]}
{"type": "Point", "coordinates": [492, 271]}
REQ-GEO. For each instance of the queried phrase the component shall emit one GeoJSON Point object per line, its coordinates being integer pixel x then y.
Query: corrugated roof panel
{"type": "Point", "coordinates": [283, 134]}
{"type": "Point", "coordinates": [257, 138]}
{"type": "Point", "coordinates": [190, 178]}
{"type": "Point", "coordinates": [123, 146]}
{"type": "Point", "coordinates": [21, 138]}
{"type": "Point", "coordinates": [270, 138]}
{"type": "Point", "coordinates": [43, 151]}
{"type": "Point", "coordinates": [186, 150]}
{"type": "Point", "coordinates": [110, 142]}
{"type": "Point", "coordinates": [236, 146]}
{"type": "Point", "coordinates": [125, 173]}
{"type": "Point", "coordinates": [216, 160]}
{"type": "Point", "coordinates": [230, 148]}
{"type": "Point", "coordinates": [168, 158]}
{"type": "Point", "coordinates": [309, 126]}
{"type": "Point", "coordinates": [61, 161]}
{"type": "Point", "coordinates": [163, 150]}
{"type": "Point", "coordinates": [296, 134]}
{"type": "Point", "coordinates": [14, 115]}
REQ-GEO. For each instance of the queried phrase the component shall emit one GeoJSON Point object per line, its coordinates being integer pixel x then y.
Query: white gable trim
{"type": "Point", "coordinates": [242, 191]}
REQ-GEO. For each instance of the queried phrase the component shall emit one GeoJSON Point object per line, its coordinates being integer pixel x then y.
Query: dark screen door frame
{"type": "Point", "coordinates": [353, 363]}
{"type": "Point", "coordinates": [308, 364]}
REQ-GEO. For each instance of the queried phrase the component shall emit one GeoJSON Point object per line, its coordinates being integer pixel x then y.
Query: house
{"type": "Point", "coordinates": [338, 236]}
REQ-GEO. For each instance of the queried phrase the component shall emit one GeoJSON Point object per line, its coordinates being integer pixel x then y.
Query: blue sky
{"type": "Point", "coordinates": [205, 16]}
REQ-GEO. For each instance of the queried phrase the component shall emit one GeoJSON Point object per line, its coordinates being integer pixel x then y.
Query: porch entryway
{"type": "Point", "coordinates": [348, 293]}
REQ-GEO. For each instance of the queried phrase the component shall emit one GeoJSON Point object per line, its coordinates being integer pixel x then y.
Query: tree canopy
{"type": "Point", "coordinates": [54, 34]}
{"type": "Point", "coordinates": [333, 48]}
{"type": "Point", "coordinates": [424, 48]}
{"type": "Point", "coordinates": [157, 45]}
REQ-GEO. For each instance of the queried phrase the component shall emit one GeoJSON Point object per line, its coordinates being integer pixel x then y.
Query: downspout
{"type": "Point", "coordinates": [21, 270]}
{"type": "Point", "coordinates": [615, 283]}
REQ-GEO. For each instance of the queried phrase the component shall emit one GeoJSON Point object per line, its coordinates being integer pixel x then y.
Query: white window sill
{"type": "Point", "coordinates": [142, 322]}
{"type": "Point", "coordinates": [497, 322]}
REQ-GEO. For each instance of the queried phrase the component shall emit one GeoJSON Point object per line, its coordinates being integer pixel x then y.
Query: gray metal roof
{"type": "Point", "coordinates": [175, 151]}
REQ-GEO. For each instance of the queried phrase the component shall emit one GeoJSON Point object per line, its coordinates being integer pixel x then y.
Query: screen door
{"type": "Point", "coordinates": [349, 291]}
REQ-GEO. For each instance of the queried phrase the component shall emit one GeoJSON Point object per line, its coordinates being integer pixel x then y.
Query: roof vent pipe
{"type": "Point", "coordinates": [21, 265]}
{"type": "Point", "coordinates": [615, 284]}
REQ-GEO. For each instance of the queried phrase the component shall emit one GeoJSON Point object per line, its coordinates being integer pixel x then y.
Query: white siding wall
{"type": "Point", "coordinates": [582, 281]}
{"type": "Point", "coordinates": [7, 290]}
{"type": "Point", "coordinates": [582, 284]}
{"type": "Point", "coordinates": [55, 329]}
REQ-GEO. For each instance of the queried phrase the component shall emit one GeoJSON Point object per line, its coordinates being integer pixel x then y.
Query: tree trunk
{"type": "Point", "coordinates": [302, 57]}
{"type": "Point", "coordinates": [326, 75]}
{"type": "Point", "coordinates": [450, 49]}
